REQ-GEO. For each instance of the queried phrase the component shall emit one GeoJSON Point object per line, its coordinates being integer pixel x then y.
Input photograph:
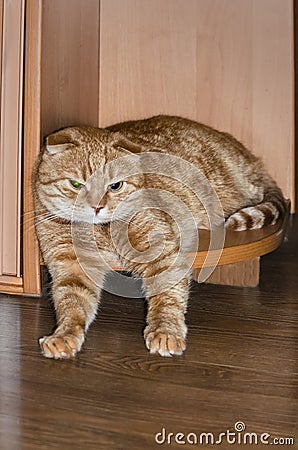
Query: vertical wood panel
{"type": "Point", "coordinates": [227, 63]}
{"type": "Point", "coordinates": [170, 57]}
{"type": "Point", "coordinates": [1, 150]}
{"type": "Point", "coordinates": [273, 89]}
{"type": "Point", "coordinates": [148, 59]}
{"type": "Point", "coordinates": [32, 119]}
{"type": "Point", "coordinates": [223, 66]}
{"type": "Point", "coordinates": [244, 273]}
{"type": "Point", "coordinates": [11, 132]}
{"type": "Point", "coordinates": [1, 41]}
{"type": "Point", "coordinates": [70, 47]}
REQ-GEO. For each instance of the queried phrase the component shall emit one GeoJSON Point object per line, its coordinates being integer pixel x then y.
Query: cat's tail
{"type": "Point", "coordinates": [266, 213]}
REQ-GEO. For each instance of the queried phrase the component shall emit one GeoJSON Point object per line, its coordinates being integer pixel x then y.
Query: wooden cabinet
{"type": "Point", "coordinates": [228, 63]}
{"type": "Point", "coordinates": [19, 144]}
{"type": "Point", "coordinates": [12, 55]}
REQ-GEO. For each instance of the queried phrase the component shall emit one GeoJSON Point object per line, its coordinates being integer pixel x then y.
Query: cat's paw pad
{"type": "Point", "coordinates": [166, 344]}
{"type": "Point", "coordinates": [60, 347]}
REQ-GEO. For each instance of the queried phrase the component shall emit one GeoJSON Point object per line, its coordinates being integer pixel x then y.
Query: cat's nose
{"type": "Point", "coordinates": [97, 209]}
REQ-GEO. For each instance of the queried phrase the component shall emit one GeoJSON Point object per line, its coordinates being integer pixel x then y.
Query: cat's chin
{"type": "Point", "coordinates": [92, 222]}
{"type": "Point", "coordinates": [101, 221]}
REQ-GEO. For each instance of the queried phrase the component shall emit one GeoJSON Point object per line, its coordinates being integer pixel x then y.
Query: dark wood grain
{"type": "Point", "coordinates": [240, 364]}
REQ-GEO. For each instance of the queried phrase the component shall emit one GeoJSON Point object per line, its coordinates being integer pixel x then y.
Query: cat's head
{"type": "Point", "coordinates": [85, 174]}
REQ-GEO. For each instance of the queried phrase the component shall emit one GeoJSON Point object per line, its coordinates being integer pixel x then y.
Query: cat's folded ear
{"type": "Point", "coordinates": [60, 141]}
{"type": "Point", "coordinates": [126, 144]}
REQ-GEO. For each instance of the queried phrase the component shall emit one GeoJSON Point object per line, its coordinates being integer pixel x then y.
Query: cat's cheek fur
{"type": "Point", "coordinates": [247, 194]}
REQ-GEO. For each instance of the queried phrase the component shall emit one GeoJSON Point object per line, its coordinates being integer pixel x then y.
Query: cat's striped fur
{"type": "Point", "coordinates": [249, 198]}
{"type": "Point", "coordinates": [266, 213]}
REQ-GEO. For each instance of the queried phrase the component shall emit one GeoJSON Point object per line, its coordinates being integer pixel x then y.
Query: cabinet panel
{"type": "Point", "coordinates": [31, 142]}
{"type": "Point", "coordinates": [227, 63]}
{"type": "Point", "coordinates": [273, 89]}
{"type": "Point", "coordinates": [19, 143]}
{"type": "Point", "coordinates": [11, 135]}
{"type": "Point", "coordinates": [70, 52]}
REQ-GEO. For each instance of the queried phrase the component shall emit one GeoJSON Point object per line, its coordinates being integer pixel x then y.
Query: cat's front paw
{"type": "Point", "coordinates": [163, 342]}
{"type": "Point", "coordinates": [61, 346]}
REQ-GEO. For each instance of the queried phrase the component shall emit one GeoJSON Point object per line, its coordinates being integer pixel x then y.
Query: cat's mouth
{"type": "Point", "coordinates": [90, 216]}
{"type": "Point", "coordinates": [101, 220]}
{"type": "Point", "coordinates": [92, 219]}
{"type": "Point", "coordinates": [100, 215]}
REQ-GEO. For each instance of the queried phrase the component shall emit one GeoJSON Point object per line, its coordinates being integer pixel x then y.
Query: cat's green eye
{"type": "Point", "coordinates": [76, 184]}
{"type": "Point", "coordinates": [116, 187]}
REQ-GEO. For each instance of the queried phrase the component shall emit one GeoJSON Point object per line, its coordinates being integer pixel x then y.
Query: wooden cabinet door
{"type": "Point", "coordinates": [19, 144]}
{"type": "Point", "coordinates": [12, 52]}
{"type": "Point", "coordinates": [226, 63]}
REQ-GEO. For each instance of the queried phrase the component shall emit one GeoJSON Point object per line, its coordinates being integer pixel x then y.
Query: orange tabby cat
{"type": "Point", "coordinates": [95, 179]}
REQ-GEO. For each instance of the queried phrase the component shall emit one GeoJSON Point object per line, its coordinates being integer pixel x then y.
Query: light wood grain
{"type": "Point", "coordinates": [1, 150]}
{"type": "Point", "coordinates": [32, 117]}
{"type": "Point", "coordinates": [272, 89]}
{"type": "Point", "coordinates": [240, 252]}
{"type": "Point", "coordinates": [11, 285]}
{"type": "Point", "coordinates": [70, 47]}
{"type": "Point", "coordinates": [11, 136]}
{"type": "Point", "coordinates": [227, 63]}
{"type": "Point", "coordinates": [243, 274]}
{"type": "Point", "coordinates": [1, 49]}
{"type": "Point", "coordinates": [148, 59]}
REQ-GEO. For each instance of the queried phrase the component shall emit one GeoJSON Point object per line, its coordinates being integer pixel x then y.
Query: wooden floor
{"type": "Point", "coordinates": [241, 364]}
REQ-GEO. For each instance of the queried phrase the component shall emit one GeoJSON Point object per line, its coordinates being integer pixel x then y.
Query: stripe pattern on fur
{"type": "Point", "coordinates": [254, 217]}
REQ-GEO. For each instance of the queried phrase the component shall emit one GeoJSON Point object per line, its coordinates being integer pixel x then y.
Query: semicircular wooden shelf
{"type": "Point", "coordinates": [239, 245]}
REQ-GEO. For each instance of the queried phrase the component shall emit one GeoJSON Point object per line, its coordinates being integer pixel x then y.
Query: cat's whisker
{"type": "Point", "coordinates": [47, 217]}
{"type": "Point", "coordinates": [209, 172]}
{"type": "Point", "coordinates": [30, 221]}
{"type": "Point", "coordinates": [36, 217]}
{"type": "Point", "coordinates": [28, 212]}
{"type": "Point", "coordinates": [32, 226]}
